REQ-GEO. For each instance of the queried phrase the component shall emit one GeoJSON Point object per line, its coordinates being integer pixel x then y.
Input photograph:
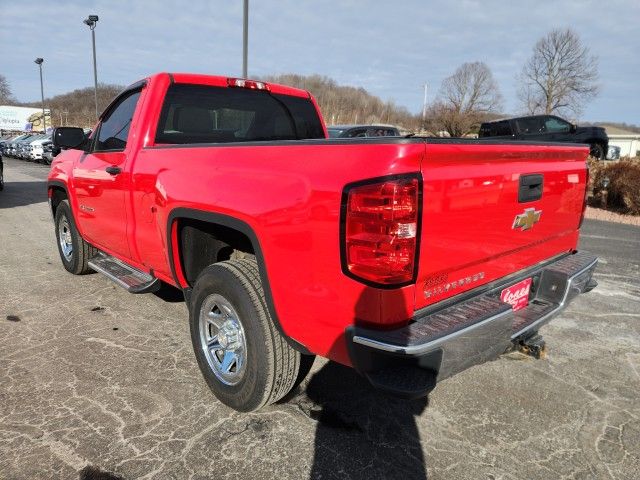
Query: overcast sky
{"type": "Point", "coordinates": [389, 48]}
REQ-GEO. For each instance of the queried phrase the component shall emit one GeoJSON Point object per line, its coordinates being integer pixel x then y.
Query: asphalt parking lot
{"type": "Point", "coordinates": [91, 375]}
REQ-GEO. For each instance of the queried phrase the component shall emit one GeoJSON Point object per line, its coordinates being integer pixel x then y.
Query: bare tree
{"type": "Point", "coordinates": [5, 91]}
{"type": "Point", "coordinates": [465, 99]}
{"type": "Point", "coordinates": [561, 75]}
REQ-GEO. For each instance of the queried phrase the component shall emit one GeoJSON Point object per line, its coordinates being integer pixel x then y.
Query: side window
{"type": "Point", "coordinates": [503, 129]}
{"type": "Point", "coordinates": [555, 125]}
{"type": "Point", "coordinates": [530, 126]}
{"type": "Point", "coordinates": [357, 132]}
{"type": "Point", "coordinates": [114, 128]}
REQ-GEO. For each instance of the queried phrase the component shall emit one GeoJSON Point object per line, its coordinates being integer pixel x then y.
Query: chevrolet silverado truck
{"type": "Point", "coordinates": [409, 259]}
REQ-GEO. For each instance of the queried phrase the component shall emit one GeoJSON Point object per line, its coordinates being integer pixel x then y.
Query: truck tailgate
{"type": "Point", "coordinates": [481, 217]}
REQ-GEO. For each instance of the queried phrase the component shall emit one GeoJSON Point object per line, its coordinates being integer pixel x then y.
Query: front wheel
{"type": "Point", "coordinates": [74, 251]}
{"type": "Point", "coordinates": [245, 361]}
{"type": "Point", "coordinates": [597, 151]}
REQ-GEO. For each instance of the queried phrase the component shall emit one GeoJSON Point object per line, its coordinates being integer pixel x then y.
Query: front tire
{"type": "Point", "coordinates": [74, 251]}
{"type": "Point", "coordinates": [245, 361]}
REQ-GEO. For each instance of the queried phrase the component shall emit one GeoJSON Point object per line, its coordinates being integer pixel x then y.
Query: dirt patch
{"type": "Point", "coordinates": [607, 216]}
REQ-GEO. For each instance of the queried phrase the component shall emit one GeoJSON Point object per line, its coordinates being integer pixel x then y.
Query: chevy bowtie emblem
{"type": "Point", "coordinates": [527, 219]}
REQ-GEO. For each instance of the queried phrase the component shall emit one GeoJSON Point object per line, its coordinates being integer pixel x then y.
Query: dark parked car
{"type": "Point", "coordinates": [352, 131]}
{"type": "Point", "coordinates": [548, 128]}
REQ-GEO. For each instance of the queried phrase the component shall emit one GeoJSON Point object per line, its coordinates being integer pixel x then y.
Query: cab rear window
{"type": "Point", "coordinates": [205, 114]}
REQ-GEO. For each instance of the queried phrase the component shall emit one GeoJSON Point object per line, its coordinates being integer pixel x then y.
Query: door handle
{"type": "Point", "coordinates": [113, 170]}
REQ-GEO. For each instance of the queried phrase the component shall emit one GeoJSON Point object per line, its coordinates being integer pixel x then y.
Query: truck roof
{"type": "Point", "coordinates": [504, 119]}
{"type": "Point", "coordinates": [222, 81]}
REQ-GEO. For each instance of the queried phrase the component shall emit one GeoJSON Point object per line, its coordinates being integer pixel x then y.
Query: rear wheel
{"type": "Point", "coordinates": [74, 251]}
{"type": "Point", "coordinates": [596, 150]}
{"type": "Point", "coordinates": [245, 361]}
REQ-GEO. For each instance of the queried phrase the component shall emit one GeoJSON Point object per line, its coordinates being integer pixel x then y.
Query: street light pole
{"type": "Point", "coordinates": [91, 21]}
{"type": "Point", "coordinates": [245, 38]}
{"type": "Point", "coordinates": [39, 61]}
{"type": "Point", "coordinates": [424, 109]}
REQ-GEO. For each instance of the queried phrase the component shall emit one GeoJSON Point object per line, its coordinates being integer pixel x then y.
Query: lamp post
{"type": "Point", "coordinates": [91, 21]}
{"type": "Point", "coordinates": [39, 61]}
{"type": "Point", "coordinates": [424, 109]}
{"type": "Point", "coordinates": [245, 37]}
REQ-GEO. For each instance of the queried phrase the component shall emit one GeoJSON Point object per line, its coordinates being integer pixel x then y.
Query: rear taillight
{"type": "Point", "coordinates": [380, 230]}
{"type": "Point", "coordinates": [584, 202]}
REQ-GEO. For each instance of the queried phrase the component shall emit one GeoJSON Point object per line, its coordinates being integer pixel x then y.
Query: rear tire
{"type": "Point", "coordinates": [74, 251]}
{"type": "Point", "coordinates": [229, 319]}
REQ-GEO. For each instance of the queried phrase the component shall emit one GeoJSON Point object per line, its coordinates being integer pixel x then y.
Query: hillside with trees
{"type": "Point", "coordinates": [77, 108]}
{"type": "Point", "coordinates": [342, 104]}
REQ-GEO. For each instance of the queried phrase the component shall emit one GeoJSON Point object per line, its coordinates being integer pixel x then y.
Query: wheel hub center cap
{"type": "Point", "coordinates": [228, 336]}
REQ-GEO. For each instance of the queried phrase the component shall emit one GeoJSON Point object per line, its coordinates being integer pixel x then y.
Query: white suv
{"type": "Point", "coordinates": [36, 148]}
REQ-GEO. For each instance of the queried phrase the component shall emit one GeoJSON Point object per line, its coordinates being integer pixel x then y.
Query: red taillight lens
{"type": "Point", "coordinates": [381, 227]}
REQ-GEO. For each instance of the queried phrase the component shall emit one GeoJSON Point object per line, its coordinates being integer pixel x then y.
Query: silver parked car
{"type": "Point", "coordinates": [613, 153]}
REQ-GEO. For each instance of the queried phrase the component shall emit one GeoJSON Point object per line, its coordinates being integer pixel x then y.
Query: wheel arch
{"type": "Point", "coordinates": [180, 217]}
{"type": "Point", "coordinates": [604, 144]}
{"type": "Point", "coordinates": [56, 191]}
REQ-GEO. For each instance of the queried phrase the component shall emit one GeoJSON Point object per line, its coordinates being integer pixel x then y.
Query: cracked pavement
{"type": "Point", "coordinates": [92, 375]}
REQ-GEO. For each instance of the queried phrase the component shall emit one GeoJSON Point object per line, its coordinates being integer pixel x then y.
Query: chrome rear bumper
{"type": "Point", "coordinates": [469, 332]}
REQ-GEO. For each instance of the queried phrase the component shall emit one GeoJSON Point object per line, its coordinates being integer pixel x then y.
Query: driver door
{"type": "Point", "coordinates": [101, 179]}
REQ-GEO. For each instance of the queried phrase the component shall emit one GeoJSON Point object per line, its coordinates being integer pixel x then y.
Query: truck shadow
{"type": "Point", "coordinates": [361, 432]}
{"type": "Point", "coordinates": [20, 194]}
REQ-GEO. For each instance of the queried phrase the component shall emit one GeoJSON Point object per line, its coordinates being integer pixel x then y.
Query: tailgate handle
{"type": "Point", "coordinates": [530, 188]}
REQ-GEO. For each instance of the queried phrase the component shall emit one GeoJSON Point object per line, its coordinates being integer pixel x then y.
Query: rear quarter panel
{"type": "Point", "coordinates": [290, 195]}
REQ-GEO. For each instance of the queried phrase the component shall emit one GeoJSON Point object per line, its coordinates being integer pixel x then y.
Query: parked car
{"type": "Point", "coordinates": [49, 152]}
{"type": "Point", "coordinates": [10, 146]}
{"type": "Point", "coordinates": [355, 131]}
{"type": "Point", "coordinates": [36, 148]}
{"type": "Point", "coordinates": [3, 143]}
{"type": "Point", "coordinates": [288, 245]}
{"type": "Point", "coordinates": [22, 146]}
{"type": "Point", "coordinates": [613, 153]}
{"type": "Point", "coordinates": [549, 128]}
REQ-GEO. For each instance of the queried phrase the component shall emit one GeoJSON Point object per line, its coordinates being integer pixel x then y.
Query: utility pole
{"type": "Point", "coordinates": [39, 61]}
{"type": "Point", "coordinates": [424, 109]}
{"type": "Point", "coordinates": [245, 38]}
{"type": "Point", "coordinates": [91, 21]}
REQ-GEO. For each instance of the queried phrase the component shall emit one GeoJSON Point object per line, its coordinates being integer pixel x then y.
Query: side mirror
{"type": "Point", "coordinates": [69, 137]}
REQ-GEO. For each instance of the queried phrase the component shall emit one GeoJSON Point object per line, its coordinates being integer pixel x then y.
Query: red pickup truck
{"type": "Point", "coordinates": [409, 259]}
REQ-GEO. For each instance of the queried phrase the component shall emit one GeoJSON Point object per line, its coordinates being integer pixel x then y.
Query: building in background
{"type": "Point", "coordinates": [628, 141]}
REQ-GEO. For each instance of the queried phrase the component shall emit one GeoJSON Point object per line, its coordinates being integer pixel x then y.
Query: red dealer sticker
{"type": "Point", "coordinates": [517, 295]}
